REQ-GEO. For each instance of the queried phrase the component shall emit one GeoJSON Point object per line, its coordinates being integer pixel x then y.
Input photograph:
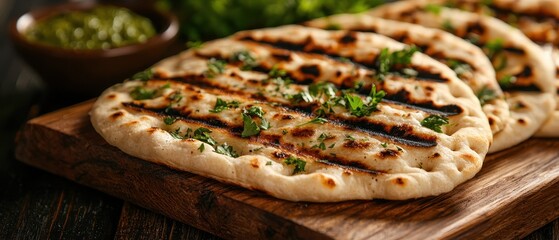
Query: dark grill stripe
{"type": "Point", "coordinates": [265, 140]}
{"type": "Point", "coordinates": [371, 65]}
{"type": "Point", "coordinates": [402, 134]}
{"type": "Point", "coordinates": [446, 110]}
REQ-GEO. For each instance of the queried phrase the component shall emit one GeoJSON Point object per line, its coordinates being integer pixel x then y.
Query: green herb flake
{"type": "Point", "coordinates": [168, 120]}
{"type": "Point", "coordinates": [434, 122]}
{"type": "Point", "coordinates": [317, 120]}
{"type": "Point", "coordinates": [276, 72]}
{"type": "Point", "coordinates": [493, 47]}
{"type": "Point", "coordinates": [269, 163]}
{"type": "Point", "coordinates": [177, 134]}
{"type": "Point", "coordinates": [299, 164]}
{"type": "Point", "coordinates": [202, 147]}
{"type": "Point", "coordinates": [250, 128]}
{"type": "Point", "coordinates": [143, 75]}
{"type": "Point", "coordinates": [215, 67]}
{"type": "Point", "coordinates": [459, 67]}
{"type": "Point", "coordinates": [194, 44]}
{"type": "Point", "coordinates": [333, 26]}
{"type": "Point", "coordinates": [434, 8]}
{"type": "Point", "coordinates": [323, 88]}
{"type": "Point", "coordinates": [507, 81]}
{"type": "Point", "coordinates": [203, 134]}
{"type": "Point", "coordinates": [321, 146]}
{"type": "Point", "coordinates": [255, 111]}
{"type": "Point", "coordinates": [384, 144]}
{"type": "Point", "coordinates": [221, 105]}
{"type": "Point", "coordinates": [303, 96]}
{"type": "Point", "coordinates": [226, 150]}
{"type": "Point", "coordinates": [141, 93]}
{"type": "Point", "coordinates": [246, 58]}
{"type": "Point", "coordinates": [447, 26]}
{"type": "Point", "coordinates": [356, 106]}
{"type": "Point", "coordinates": [386, 61]}
{"type": "Point", "coordinates": [485, 95]}
{"type": "Point", "coordinates": [349, 138]}
{"type": "Point", "coordinates": [284, 131]}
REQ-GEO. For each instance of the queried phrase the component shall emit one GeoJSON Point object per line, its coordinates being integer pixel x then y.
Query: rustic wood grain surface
{"type": "Point", "coordinates": [514, 194]}
{"type": "Point", "coordinates": [35, 204]}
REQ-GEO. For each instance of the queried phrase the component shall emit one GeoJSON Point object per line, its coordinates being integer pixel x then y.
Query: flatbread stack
{"type": "Point", "coordinates": [523, 69]}
{"type": "Point", "coordinates": [305, 115]}
{"type": "Point", "coordinates": [398, 103]}
{"type": "Point", "coordinates": [468, 61]}
{"type": "Point", "coordinates": [539, 21]}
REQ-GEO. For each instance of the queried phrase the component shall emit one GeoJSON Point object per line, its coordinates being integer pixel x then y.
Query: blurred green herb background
{"type": "Point", "coordinates": [209, 19]}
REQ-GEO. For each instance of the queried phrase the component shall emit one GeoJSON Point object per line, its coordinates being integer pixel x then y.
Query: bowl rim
{"type": "Point", "coordinates": [22, 22]}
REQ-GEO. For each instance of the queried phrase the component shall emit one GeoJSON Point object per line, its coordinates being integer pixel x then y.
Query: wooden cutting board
{"type": "Point", "coordinates": [516, 192]}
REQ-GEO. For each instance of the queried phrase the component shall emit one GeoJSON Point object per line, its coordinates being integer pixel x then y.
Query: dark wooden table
{"type": "Point", "coordinates": [37, 205]}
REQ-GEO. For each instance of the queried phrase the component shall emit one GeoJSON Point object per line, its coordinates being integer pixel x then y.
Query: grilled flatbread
{"type": "Point", "coordinates": [468, 61]}
{"type": "Point", "coordinates": [285, 111]}
{"type": "Point", "coordinates": [523, 71]}
{"type": "Point", "coordinates": [539, 21]}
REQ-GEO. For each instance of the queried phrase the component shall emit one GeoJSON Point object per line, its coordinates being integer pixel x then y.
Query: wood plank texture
{"type": "Point", "coordinates": [514, 194]}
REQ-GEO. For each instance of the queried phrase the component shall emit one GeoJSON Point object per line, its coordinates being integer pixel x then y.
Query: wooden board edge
{"type": "Point", "coordinates": [218, 216]}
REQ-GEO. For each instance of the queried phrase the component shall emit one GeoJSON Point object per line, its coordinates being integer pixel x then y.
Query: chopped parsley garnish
{"type": "Point", "coordinates": [507, 81]}
{"type": "Point", "coordinates": [276, 72]}
{"type": "Point", "coordinates": [177, 134]}
{"type": "Point", "coordinates": [317, 120]}
{"type": "Point", "coordinates": [299, 164]}
{"type": "Point", "coordinates": [303, 96]}
{"type": "Point", "coordinates": [194, 44]}
{"type": "Point", "coordinates": [321, 145]}
{"type": "Point", "coordinates": [386, 61]}
{"type": "Point", "coordinates": [447, 26]}
{"type": "Point", "coordinates": [255, 111]}
{"type": "Point", "coordinates": [141, 93]}
{"type": "Point", "coordinates": [459, 67]}
{"type": "Point", "coordinates": [215, 67]}
{"type": "Point", "coordinates": [221, 105]}
{"type": "Point", "coordinates": [358, 108]}
{"type": "Point", "coordinates": [268, 163]}
{"type": "Point", "coordinates": [499, 62]}
{"type": "Point", "coordinates": [434, 8]}
{"type": "Point", "coordinates": [246, 58]}
{"type": "Point", "coordinates": [485, 95]}
{"type": "Point", "coordinates": [384, 144]}
{"type": "Point", "coordinates": [323, 88]}
{"type": "Point", "coordinates": [169, 120]}
{"type": "Point", "coordinates": [250, 127]}
{"type": "Point", "coordinates": [226, 150]}
{"type": "Point", "coordinates": [203, 134]}
{"type": "Point", "coordinates": [333, 26]}
{"type": "Point", "coordinates": [349, 138]}
{"type": "Point", "coordinates": [175, 97]}
{"type": "Point", "coordinates": [493, 47]}
{"type": "Point", "coordinates": [435, 122]}
{"type": "Point", "coordinates": [202, 147]}
{"type": "Point", "coordinates": [143, 75]}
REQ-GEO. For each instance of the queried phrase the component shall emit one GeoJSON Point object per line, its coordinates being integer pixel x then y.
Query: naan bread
{"type": "Point", "coordinates": [531, 96]}
{"type": "Point", "coordinates": [539, 21]}
{"type": "Point", "coordinates": [468, 61]}
{"type": "Point", "coordinates": [297, 156]}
